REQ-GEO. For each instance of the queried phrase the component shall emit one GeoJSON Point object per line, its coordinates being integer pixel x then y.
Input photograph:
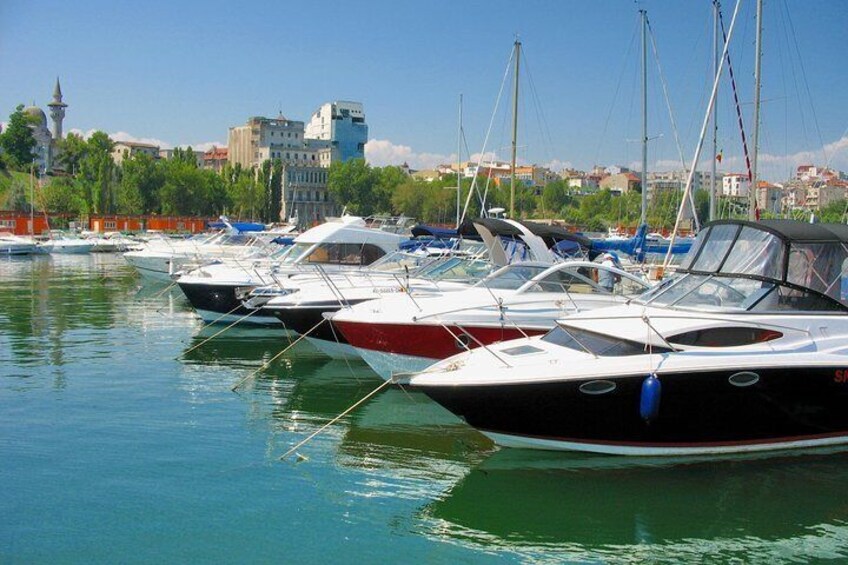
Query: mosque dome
{"type": "Point", "coordinates": [36, 113]}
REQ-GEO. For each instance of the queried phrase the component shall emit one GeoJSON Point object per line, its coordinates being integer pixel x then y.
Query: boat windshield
{"type": "Point", "coordinates": [296, 252]}
{"type": "Point", "coordinates": [810, 256]}
{"type": "Point", "coordinates": [512, 277]}
{"type": "Point", "coordinates": [735, 249]}
{"type": "Point", "coordinates": [400, 261]}
{"type": "Point", "coordinates": [734, 294]}
{"type": "Point", "coordinates": [461, 269]}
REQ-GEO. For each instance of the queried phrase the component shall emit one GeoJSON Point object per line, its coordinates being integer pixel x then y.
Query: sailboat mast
{"type": "Point", "coordinates": [514, 131]}
{"type": "Point", "coordinates": [713, 172]}
{"type": "Point", "coordinates": [32, 198]}
{"type": "Point", "coordinates": [752, 190]}
{"type": "Point", "coordinates": [459, 163]}
{"type": "Point", "coordinates": [644, 180]}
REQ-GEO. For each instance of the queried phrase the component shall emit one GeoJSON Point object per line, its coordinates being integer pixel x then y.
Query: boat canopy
{"type": "Point", "coordinates": [787, 252]}
{"type": "Point", "coordinates": [552, 235]}
{"type": "Point", "coordinates": [498, 227]}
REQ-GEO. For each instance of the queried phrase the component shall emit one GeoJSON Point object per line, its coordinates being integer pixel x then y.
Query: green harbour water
{"type": "Point", "coordinates": [117, 446]}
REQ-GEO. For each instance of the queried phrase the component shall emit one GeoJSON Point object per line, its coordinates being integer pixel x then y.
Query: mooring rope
{"type": "Point", "coordinates": [277, 356]}
{"type": "Point", "coordinates": [309, 438]}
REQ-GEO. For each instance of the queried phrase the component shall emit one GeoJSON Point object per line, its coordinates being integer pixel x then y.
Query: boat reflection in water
{"type": "Point", "coordinates": [775, 508]}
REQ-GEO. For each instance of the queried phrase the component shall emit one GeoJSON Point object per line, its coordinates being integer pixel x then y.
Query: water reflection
{"type": "Point", "coordinates": [593, 506]}
{"type": "Point", "coordinates": [49, 305]}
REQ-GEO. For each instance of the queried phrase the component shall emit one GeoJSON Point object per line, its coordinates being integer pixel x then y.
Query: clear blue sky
{"type": "Point", "coordinates": [183, 72]}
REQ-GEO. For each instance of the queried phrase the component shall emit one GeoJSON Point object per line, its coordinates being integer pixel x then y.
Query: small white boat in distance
{"type": "Point", "coordinates": [11, 244]}
{"type": "Point", "coordinates": [64, 244]}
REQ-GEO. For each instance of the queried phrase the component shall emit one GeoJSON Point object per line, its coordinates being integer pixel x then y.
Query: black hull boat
{"type": "Point", "coordinates": [744, 349]}
{"type": "Point", "coordinates": [715, 411]}
{"type": "Point", "coordinates": [308, 319]}
{"type": "Point", "coordinates": [222, 302]}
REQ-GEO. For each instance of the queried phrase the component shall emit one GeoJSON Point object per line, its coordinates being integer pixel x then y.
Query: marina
{"type": "Point", "coordinates": [245, 333]}
{"type": "Point", "coordinates": [119, 425]}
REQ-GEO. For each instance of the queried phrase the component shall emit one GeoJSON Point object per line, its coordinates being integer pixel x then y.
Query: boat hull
{"type": "Point", "coordinates": [699, 412]}
{"type": "Point", "coordinates": [17, 249]}
{"type": "Point", "coordinates": [308, 319]}
{"type": "Point", "coordinates": [220, 303]}
{"type": "Point", "coordinates": [431, 341]}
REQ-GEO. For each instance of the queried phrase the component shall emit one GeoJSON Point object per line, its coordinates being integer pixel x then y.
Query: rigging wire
{"type": "Point", "coordinates": [544, 128]}
{"type": "Point", "coordinates": [806, 84]}
{"type": "Point", "coordinates": [486, 141]}
{"type": "Point", "coordinates": [736, 98]}
{"type": "Point", "coordinates": [615, 94]}
{"type": "Point", "coordinates": [671, 118]}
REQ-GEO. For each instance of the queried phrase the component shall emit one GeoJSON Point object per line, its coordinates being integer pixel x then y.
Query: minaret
{"type": "Point", "coordinates": [57, 111]}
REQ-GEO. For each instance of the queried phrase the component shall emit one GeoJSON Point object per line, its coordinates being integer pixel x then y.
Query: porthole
{"type": "Point", "coordinates": [463, 340]}
{"type": "Point", "coordinates": [597, 387]}
{"type": "Point", "coordinates": [744, 378]}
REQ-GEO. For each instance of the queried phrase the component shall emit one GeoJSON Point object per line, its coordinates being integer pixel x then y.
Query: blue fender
{"type": "Point", "coordinates": [649, 402]}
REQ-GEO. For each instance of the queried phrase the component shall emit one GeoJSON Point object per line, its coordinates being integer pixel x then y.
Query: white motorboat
{"type": "Point", "coordinates": [66, 244]}
{"type": "Point", "coordinates": [344, 244]}
{"type": "Point", "coordinates": [162, 257]}
{"type": "Point", "coordinates": [744, 349]}
{"type": "Point", "coordinates": [11, 244]}
{"type": "Point", "coordinates": [302, 304]}
{"type": "Point", "coordinates": [410, 331]}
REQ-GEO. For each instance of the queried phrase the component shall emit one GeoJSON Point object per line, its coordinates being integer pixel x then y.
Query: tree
{"type": "Point", "coordinates": [275, 194]}
{"type": "Point", "coordinates": [62, 195]}
{"type": "Point", "coordinates": [141, 180]}
{"type": "Point", "coordinates": [71, 150]}
{"type": "Point", "coordinates": [388, 180]}
{"type": "Point", "coordinates": [352, 185]}
{"type": "Point", "coordinates": [554, 197]}
{"type": "Point", "coordinates": [833, 212]}
{"type": "Point", "coordinates": [98, 174]}
{"type": "Point", "coordinates": [17, 140]}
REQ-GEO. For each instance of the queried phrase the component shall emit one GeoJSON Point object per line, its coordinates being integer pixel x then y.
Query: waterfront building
{"type": "Point", "coordinates": [821, 194]}
{"type": "Point", "coordinates": [587, 184]}
{"type": "Point", "coordinates": [735, 185]}
{"type": "Point", "coordinates": [215, 159]}
{"type": "Point", "coordinates": [769, 197]}
{"type": "Point", "coordinates": [621, 183]}
{"type": "Point", "coordinates": [341, 125]}
{"type": "Point", "coordinates": [262, 139]}
{"type": "Point", "coordinates": [676, 180]}
{"type": "Point", "coordinates": [127, 149]}
{"type": "Point", "coordinates": [305, 195]}
{"type": "Point", "coordinates": [305, 163]}
{"type": "Point", "coordinates": [616, 170]}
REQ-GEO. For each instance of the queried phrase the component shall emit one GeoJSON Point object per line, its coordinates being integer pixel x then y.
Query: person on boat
{"type": "Point", "coordinates": [606, 278]}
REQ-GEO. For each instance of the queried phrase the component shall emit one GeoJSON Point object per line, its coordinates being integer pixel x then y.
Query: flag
{"type": "Point", "coordinates": [719, 156]}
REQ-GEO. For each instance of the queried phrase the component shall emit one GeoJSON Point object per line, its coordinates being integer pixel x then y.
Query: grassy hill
{"type": "Point", "coordinates": [6, 179]}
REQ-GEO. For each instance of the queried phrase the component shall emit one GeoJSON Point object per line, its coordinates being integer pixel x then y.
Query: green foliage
{"type": "Point", "coordinates": [71, 151]}
{"type": "Point", "coordinates": [243, 193]}
{"type": "Point", "coordinates": [141, 179]}
{"type": "Point", "coordinates": [353, 184]}
{"type": "Point", "coordinates": [554, 197]}
{"type": "Point", "coordinates": [17, 140]}
{"type": "Point", "coordinates": [274, 192]}
{"type": "Point", "coordinates": [98, 174]}
{"type": "Point", "coordinates": [62, 195]}
{"type": "Point", "coordinates": [833, 212]}
{"type": "Point", "coordinates": [17, 199]}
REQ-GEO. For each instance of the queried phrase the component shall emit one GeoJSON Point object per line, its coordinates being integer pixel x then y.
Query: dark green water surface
{"type": "Point", "coordinates": [115, 447]}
